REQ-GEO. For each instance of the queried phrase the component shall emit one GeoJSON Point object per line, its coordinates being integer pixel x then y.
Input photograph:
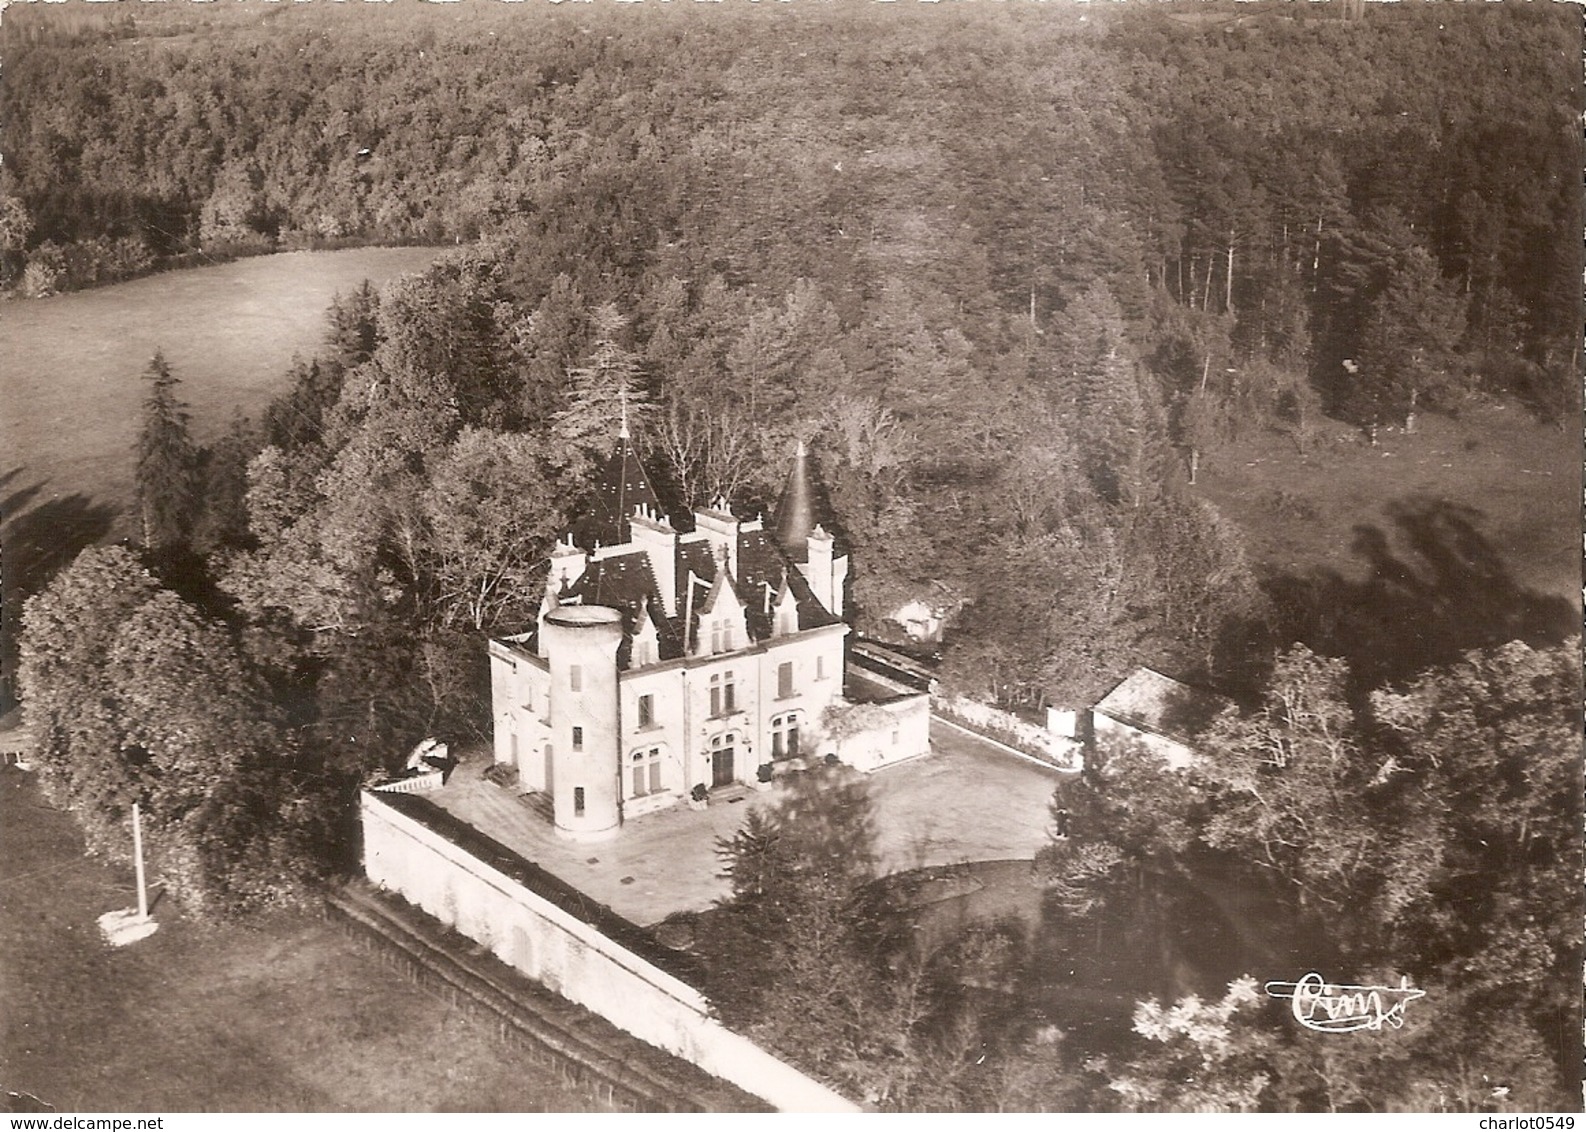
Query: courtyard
{"type": "Point", "coordinates": [968, 800]}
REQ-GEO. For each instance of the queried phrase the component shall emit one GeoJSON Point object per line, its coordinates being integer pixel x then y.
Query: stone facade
{"type": "Point", "coordinates": [668, 659]}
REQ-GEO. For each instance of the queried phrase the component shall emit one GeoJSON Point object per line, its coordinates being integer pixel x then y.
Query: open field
{"type": "Point", "coordinates": [280, 1014]}
{"type": "Point", "coordinates": [1521, 479]}
{"type": "Point", "coordinates": [70, 365]}
{"type": "Point", "coordinates": [1464, 534]}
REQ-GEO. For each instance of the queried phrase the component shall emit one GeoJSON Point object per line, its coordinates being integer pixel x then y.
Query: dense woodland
{"type": "Point", "coordinates": [1430, 830]}
{"type": "Point", "coordinates": [1009, 270]}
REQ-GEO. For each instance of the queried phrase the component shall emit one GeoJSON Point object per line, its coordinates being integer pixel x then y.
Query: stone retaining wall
{"type": "Point", "coordinates": [587, 959]}
{"type": "Point", "coordinates": [616, 1070]}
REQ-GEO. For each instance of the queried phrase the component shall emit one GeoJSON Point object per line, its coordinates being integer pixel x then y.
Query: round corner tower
{"type": "Point", "coordinates": [581, 643]}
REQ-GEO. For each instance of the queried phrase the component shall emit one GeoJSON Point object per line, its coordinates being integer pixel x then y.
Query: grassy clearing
{"type": "Point", "coordinates": [279, 1014]}
{"type": "Point", "coordinates": [70, 365]}
{"type": "Point", "coordinates": [1520, 480]}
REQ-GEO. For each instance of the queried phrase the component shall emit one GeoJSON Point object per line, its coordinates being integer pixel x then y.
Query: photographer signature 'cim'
{"type": "Point", "coordinates": [1340, 1008]}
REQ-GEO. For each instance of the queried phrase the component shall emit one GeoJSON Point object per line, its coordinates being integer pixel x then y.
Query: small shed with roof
{"type": "Point", "coordinates": [1156, 712]}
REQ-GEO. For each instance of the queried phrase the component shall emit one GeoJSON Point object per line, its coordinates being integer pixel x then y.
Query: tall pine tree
{"type": "Point", "coordinates": [167, 462]}
{"type": "Point", "coordinates": [601, 394]}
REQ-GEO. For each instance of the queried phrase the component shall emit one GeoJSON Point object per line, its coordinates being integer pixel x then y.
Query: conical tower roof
{"type": "Point", "coordinates": [619, 488]}
{"type": "Point", "coordinates": [802, 508]}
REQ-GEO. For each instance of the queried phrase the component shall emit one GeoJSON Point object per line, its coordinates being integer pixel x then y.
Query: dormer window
{"type": "Point", "coordinates": [721, 635]}
{"type": "Point", "coordinates": [646, 645]}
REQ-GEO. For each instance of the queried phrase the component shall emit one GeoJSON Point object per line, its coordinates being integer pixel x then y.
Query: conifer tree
{"type": "Point", "coordinates": [166, 461]}
{"type": "Point", "coordinates": [603, 392]}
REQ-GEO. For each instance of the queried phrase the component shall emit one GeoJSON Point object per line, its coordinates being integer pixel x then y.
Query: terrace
{"type": "Point", "coordinates": [966, 801]}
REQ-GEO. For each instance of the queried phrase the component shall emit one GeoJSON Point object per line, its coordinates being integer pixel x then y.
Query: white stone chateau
{"type": "Point", "coordinates": [668, 659]}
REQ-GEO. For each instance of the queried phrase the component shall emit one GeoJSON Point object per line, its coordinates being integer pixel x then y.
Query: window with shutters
{"type": "Point", "coordinates": [723, 694]}
{"type": "Point", "coordinates": [785, 735]}
{"type": "Point", "coordinates": [644, 772]}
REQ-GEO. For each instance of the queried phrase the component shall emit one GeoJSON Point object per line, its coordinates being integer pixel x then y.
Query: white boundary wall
{"type": "Point", "coordinates": [572, 958]}
{"type": "Point", "coordinates": [1064, 751]}
{"type": "Point", "coordinates": [906, 735]}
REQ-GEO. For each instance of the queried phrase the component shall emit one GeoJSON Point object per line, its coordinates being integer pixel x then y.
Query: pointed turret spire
{"type": "Point", "coordinates": [620, 487]}
{"type": "Point", "coordinates": [795, 514]}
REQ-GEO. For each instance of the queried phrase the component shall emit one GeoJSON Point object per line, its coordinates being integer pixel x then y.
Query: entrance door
{"type": "Point", "coordinates": [721, 765]}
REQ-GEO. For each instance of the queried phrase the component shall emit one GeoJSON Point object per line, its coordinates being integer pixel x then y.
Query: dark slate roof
{"type": "Point", "coordinates": [695, 556]}
{"type": "Point", "coordinates": [627, 583]}
{"type": "Point", "coordinates": [795, 514]}
{"type": "Point", "coordinates": [803, 507]}
{"type": "Point", "coordinates": [762, 562]}
{"type": "Point", "coordinates": [620, 486]}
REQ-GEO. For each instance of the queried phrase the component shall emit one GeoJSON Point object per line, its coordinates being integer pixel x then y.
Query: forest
{"type": "Point", "coordinates": [1017, 268]}
{"type": "Point", "coordinates": [1010, 271]}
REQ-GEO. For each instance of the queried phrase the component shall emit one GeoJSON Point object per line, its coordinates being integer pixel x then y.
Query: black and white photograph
{"type": "Point", "coordinates": [818, 556]}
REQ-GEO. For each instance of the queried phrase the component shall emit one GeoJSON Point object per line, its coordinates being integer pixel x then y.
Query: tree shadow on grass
{"type": "Point", "coordinates": [36, 541]}
{"type": "Point", "coordinates": [1434, 587]}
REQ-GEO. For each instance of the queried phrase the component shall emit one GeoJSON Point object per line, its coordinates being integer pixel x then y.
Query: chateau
{"type": "Point", "coordinates": [668, 663]}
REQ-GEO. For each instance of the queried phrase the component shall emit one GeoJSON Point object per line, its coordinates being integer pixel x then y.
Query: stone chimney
{"type": "Point", "coordinates": [650, 532]}
{"type": "Point", "coordinates": [818, 569]}
{"type": "Point", "coordinates": [567, 563]}
{"type": "Point", "coordinates": [720, 527]}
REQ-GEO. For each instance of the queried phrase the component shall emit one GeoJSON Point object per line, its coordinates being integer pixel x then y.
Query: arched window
{"type": "Point", "coordinates": [785, 735]}
{"type": "Point", "coordinates": [644, 772]}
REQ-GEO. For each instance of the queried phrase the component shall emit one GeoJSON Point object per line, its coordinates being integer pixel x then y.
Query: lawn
{"type": "Point", "coordinates": [1520, 480]}
{"type": "Point", "coordinates": [278, 1014]}
{"type": "Point", "coordinates": [70, 388]}
{"type": "Point", "coordinates": [70, 365]}
{"type": "Point", "coordinates": [1400, 556]}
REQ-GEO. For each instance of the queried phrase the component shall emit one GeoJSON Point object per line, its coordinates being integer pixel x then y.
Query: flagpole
{"type": "Point", "coordinates": [128, 925]}
{"type": "Point", "coordinates": [137, 856]}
